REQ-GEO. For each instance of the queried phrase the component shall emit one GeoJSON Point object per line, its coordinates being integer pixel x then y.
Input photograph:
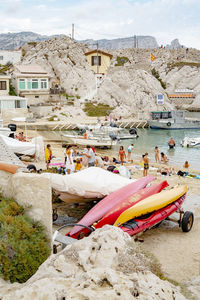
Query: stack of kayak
{"type": "Point", "coordinates": [133, 208]}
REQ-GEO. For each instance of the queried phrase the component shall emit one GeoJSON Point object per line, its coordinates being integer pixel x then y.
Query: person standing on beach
{"type": "Point", "coordinates": [146, 164]}
{"type": "Point", "coordinates": [157, 154]}
{"type": "Point", "coordinates": [122, 154]}
{"type": "Point", "coordinates": [69, 160]}
{"type": "Point", "coordinates": [90, 155]}
{"type": "Point", "coordinates": [129, 156]}
{"type": "Point", "coordinates": [48, 155]}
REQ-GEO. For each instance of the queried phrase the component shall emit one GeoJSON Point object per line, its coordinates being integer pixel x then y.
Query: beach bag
{"type": "Point", "coordinates": [111, 168]}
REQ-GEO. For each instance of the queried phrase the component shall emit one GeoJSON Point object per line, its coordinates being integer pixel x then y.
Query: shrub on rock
{"type": "Point", "coordinates": [23, 243]}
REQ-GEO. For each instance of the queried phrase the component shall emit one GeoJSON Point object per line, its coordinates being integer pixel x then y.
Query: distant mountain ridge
{"type": "Point", "coordinates": [10, 41]}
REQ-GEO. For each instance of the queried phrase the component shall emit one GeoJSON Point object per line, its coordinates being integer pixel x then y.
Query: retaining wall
{"type": "Point", "coordinates": [30, 190]}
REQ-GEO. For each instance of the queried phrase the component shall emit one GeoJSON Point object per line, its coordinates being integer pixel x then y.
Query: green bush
{"type": "Point", "coordinates": [23, 243]}
{"type": "Point", "coordinates": [157, 76]}
{"type": "Point", "coordinates": [121, 60]}
{"type": "Point", "coordinates": [99, 110]}
{"type": "Point", "coordinates": [12, 90]}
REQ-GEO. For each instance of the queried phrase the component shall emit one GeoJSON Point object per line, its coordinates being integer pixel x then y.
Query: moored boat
{"type": "Point", "coordinates": [174, 119]}
{"type": "Point", "coordinates": [190, 142]}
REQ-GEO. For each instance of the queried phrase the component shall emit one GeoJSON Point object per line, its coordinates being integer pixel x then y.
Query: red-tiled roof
{"type": "Point", "coordinates": [181, 96]}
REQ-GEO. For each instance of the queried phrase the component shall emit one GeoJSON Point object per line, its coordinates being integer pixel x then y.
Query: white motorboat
{"type": "Point", "coordinates": [190, 142]}
{"type": "Point", "coordinates": [90, 140]}
{"type": "Point", "coordinates": [169, 120]}
{"type": "Point", "coordinates": [3, 130]}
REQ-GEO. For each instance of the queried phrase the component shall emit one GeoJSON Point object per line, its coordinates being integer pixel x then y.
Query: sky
{"type": "Point", "coordinates": [99, 19]}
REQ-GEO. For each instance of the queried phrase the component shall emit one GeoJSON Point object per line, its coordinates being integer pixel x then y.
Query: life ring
{"type": "Point", "coordinates": [169, 124]}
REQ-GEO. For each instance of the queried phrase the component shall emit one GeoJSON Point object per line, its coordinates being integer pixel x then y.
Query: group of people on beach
{"type": "Point", "coordinates": [75, 159]}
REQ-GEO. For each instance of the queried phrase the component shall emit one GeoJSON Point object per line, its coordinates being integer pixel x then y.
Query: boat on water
{"type": "Point", "coordinates": [190, 142]}
{"type": "Point", "coordinates": [110, 131]}
{"type": "Point", "coordinates": [99, 142]}
{"type": "Point", "coordinates": [174, 119]}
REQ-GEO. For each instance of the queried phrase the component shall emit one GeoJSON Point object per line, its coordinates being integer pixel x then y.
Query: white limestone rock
{"type": "Point", "coordinates": [106, 265]}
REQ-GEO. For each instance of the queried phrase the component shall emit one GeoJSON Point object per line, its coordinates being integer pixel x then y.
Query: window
{"type": "Point", "coordinates": [22, 84]}
{"type": "Point", "coordinates": [96, 60]}
{"type": "Point", "coordinates": [3, 85]}
{"type": "Point", "coordinates": [20, 103]}
{"type": "Point", "coordinates": [34, 84]}
{"type": "Point", "coordinates": [36, 96]}
{"type": "Point", "coordinates": [1, 57]}
{"type": "Point", "coordinates": [43, 83]}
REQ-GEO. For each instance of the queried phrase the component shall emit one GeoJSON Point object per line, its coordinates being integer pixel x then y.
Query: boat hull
{"type": "Point", "coordinates": [150, 204]}
{"type": "Point", "coordinates": [119, 208]}
{"type": "Point", "coordinates": [174, 126]}
{"type": "Point", "coordinates": [101, 208]}
{"type": "Point", "coordinates": [138, 225]}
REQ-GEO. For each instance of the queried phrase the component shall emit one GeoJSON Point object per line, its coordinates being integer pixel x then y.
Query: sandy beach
{"type": "Point", "coordinates": [177, 252]}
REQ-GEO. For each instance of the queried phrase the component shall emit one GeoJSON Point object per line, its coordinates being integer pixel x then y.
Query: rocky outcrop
{"type": "Point", "coordinates": [131, 92]}
{"type": "Point", "coordinates": [130, 88]}
{"type": "Point", "coordinates": [174, 44]}
{"type": "Point", "coordinates": [106, 265]}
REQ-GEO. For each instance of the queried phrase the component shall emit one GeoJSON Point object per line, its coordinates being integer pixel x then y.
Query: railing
{"type": "Point", "coordinates": [57, 91]}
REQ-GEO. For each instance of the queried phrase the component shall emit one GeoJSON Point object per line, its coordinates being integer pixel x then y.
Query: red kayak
{"type": "Point", "coordinates": [106, 204]}
{"type": "Point", "coordinates": [121, 206]}
{"type": "Point", "coordinates": [137, 225]}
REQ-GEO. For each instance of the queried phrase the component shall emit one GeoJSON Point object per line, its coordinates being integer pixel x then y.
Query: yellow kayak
{"type": "Point", "coordinates": [151, 204]}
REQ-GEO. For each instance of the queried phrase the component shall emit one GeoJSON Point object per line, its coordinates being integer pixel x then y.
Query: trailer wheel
{"type": "Point", "coordinates": [187, 221]}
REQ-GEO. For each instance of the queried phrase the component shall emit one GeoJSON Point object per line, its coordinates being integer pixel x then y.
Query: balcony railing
{"type": "Point", "coordinates": [57, 91]}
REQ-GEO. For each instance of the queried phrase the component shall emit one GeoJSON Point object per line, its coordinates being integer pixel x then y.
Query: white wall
{"type": "Point", "coordinates": [10, 56]}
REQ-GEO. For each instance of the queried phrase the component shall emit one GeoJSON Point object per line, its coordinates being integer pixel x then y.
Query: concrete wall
{"type": "Point", "coordinates": [36, 98]}
{"type": "Point", "coordinates": [10, 56]}
{"type": "Point", "coordinates": [30, 190]}
{"type": "Point", "coordinates": [41, 110]}
{"type": "Point", "coordinates": [8, 114]}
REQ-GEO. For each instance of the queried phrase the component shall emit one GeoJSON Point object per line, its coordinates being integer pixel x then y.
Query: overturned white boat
{"type": "Point", "coordinates": [33, 148]}
{"type": "Point", "coordinates": [87, 185]}
{"type": "Point", "coordinates": [191, 142]}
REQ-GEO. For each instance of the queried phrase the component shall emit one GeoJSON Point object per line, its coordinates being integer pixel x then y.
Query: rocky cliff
{"type": "Point", "coordinates": [106, 265]}
{"type": "Point", "coordinates": [130, 87]}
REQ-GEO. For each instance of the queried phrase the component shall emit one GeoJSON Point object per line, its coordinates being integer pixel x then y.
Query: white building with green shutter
{"type": "Point", "coordinates": [31, 81]}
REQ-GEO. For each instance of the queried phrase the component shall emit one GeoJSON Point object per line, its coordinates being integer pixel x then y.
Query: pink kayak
{"type": "Point", "coordinates": [102, 207]}
{"type": "Point", "coordinates": [121, 206]}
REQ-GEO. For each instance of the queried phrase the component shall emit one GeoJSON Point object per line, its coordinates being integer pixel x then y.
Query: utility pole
{"type": "Point", "coordinates": [135, 41]}
{"type": "Point", "coordinates": [72, 31]}
{"type": "Point", "coordinates": [97, 58]}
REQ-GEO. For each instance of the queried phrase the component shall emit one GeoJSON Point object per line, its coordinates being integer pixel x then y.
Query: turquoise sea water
{"type": "Point", "coordinates": [149, 138]}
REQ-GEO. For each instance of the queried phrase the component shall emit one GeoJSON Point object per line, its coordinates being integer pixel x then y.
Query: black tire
{"type": "Point", "coordinates": [187, 221]}
{"type": "Point", "coordinates": [169, 124]}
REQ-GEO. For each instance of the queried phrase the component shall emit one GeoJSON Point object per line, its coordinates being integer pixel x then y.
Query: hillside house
{"type": "Point", "coordinates": [181, 97]}
{"type": "Point", "coordinates": [99, 61]}
{"type": "Point", "coordinates": [10, 56]}
{"type": "Point", "coordinates": [10, 105]}
{"type": "Point", "coordinates": [31, 81]}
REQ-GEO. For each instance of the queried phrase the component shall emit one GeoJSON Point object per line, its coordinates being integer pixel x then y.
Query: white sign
{"type": "Point", "coordinates": [160, 99]}
{"type": "Point", "coordinates": [184, 91]}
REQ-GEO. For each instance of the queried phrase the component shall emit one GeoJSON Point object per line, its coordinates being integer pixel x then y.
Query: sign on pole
{"type": "Point", "coordinates": [160, 99]}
